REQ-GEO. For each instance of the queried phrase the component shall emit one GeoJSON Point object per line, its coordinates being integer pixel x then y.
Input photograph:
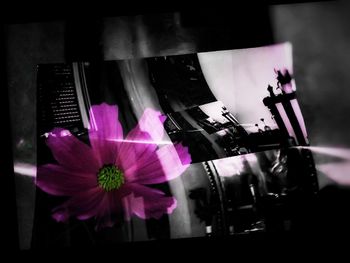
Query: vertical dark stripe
{"type": "Point", "coordinates": [270, 103]}
{"type": "Point", "coordinates": [294, 121]}
{"type": "Point", "coordinates": [8, 218]}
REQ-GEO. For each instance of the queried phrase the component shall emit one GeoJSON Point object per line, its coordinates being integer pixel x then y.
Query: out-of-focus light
{"type": "Point", "coordinates": [228, 167]}
{"type": "Point", "coordinates": [332, 151]}
{"type": "Point", "coordinates": [25, 169]}
{"type": "Point", "coordinates": [338, 172]}
{"type": "Point", "coordinates": [141, 141]}
{"type": "Point", "coordinates": [65, 133]}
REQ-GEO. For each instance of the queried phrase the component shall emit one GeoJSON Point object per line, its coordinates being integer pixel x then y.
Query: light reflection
{"type": "Point", "coordinates": [25, 169]}
{"type": "Point", "coordinates": [232, 166]}
{"type": "Point", "coordinates": [339, 172]}
{"type": "Point", "coordinates": [332, 151]}
{"type": "Point", "coordinates": [140, 141]}
{"type": "Point", "coordinates": [228, 167]}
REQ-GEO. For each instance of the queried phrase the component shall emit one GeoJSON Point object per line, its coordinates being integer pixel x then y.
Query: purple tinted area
{"type": "Point", "coordinates": [142, 164]}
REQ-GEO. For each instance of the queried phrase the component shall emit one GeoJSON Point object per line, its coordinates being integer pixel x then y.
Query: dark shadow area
{"type": "Point", "coordinates": [9, 237]}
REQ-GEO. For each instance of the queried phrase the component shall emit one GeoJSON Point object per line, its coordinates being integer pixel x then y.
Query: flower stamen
{"type": "Point", "coordinates": [110, 178]}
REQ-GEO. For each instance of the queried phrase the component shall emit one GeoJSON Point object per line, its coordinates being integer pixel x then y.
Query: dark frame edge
{"type": "Point", "coordinates": [8, 219]}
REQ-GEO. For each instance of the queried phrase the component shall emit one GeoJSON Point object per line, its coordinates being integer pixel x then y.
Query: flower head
{"type": "Point", "coordinates": [110, 177]}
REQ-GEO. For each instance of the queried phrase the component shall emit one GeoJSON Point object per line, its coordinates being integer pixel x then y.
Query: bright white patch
{"type": "Point", "coordinates": [25, 169]}
{"type": "Point", "coordinates": [332, 151]}
{"type": "Point", "coordinates": [140, 141]}
{"type": "Point", "coordinates": [65, 133]}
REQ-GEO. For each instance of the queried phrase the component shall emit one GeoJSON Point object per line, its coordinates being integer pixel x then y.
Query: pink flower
{"type": "Point", "coordinates": [110, 178]}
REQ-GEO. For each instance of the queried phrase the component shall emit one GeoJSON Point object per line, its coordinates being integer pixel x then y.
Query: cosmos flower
{"type": "Point", "coordinates": [111, 177]}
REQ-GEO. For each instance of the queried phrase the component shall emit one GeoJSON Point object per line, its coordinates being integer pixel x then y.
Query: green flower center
{"type": "Point", "coordinates": [109, 177]}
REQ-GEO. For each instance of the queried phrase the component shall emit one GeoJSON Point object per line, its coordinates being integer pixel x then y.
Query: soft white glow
{"type": "Point", "coordinates": [218, 70]}
{"type": "Point", "coordinates": [140, 141]}
{"type": "Point", "coordinates": [25, 169]}
{"type": "Point", "coordinates": [338, 172]}
{"type": "Point", "coordinates": [332, 151]}
{"type": "Point", "coordinates": [65, 133]}
{"type": "Point", "coordinates": [93, 122]}
{"type": "Point", "coordinates": [208, 229]}
{"type": "Point", "coordinates": [251, 158]}
{"type": "Point", "coordinates": [228, 167]}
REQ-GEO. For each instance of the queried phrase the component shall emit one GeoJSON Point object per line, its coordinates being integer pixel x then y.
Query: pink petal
{"type": "Point", "coordinates": [105, 132]}
{"type": "Point", "coordinates": [112, 201]}
{"type": "Point", "coordinates": [136, 150]}
{"type": "Point", "coordinates": [71, 152]}
{"type": "Point", "coordinates": [151, 122]}
{"type": "Point", "coordinates": [84, 205]}
{"type": "Point", "coordinates": [147, 203]}
{"type": "Point", "coordinates": [142, 141]}
{"type": "Point", "coordinates": [57, 180]}
{"type": "Point", "coordinates": [165, 164]}
{"type": "Point", "coordinates": [163, 118]}
{"type": "Point", "coordinates": [109, 211]}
